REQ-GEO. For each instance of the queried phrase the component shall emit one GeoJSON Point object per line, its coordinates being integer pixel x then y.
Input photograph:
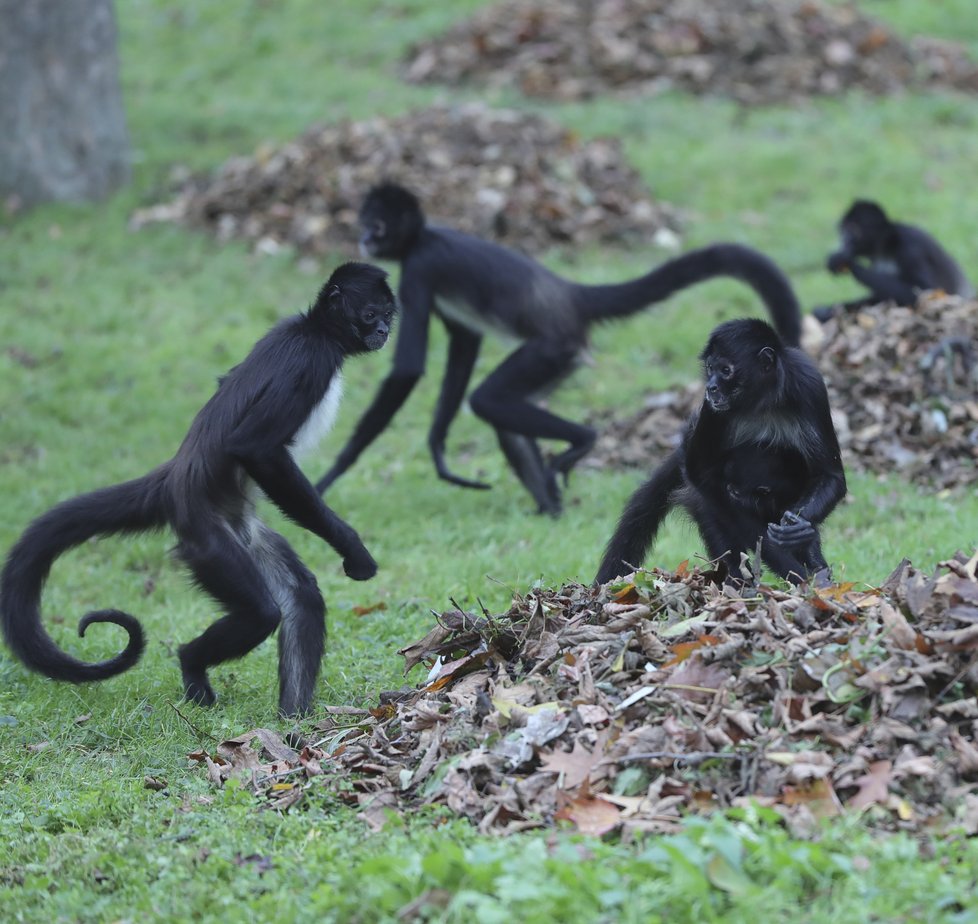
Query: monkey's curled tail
{"type": "Point", "coordinates": [718, 260]}
{"type": "Point", "coordinates": [133, 506]}
{"type": "Point", "coordinates": [640, 520]}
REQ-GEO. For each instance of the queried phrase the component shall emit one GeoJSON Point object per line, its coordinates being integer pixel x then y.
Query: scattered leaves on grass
{"type": "Point", "coordinates": [902, 382]}
{"type": "Point", "coordinates": [755, 51]}
{"type": "Point", "coordinates": [509, 176]}
{"type": "Point", "coordinates": [580, 712]}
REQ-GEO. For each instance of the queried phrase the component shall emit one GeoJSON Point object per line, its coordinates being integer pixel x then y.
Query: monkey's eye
{"type": "Point", "coordinates": [369, 316]}
{"type": "Point", "coordinates": [726, 371]}
{"type": "Point", "coordinates": [380, 229]}
{"type": "Point", "coordinates": [763, 490]}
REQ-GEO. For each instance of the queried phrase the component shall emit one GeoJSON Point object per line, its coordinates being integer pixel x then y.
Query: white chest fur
{"type": "Point", "coordinates": [320, 420]}
{"type": "Point", "coordinates": [774, 431]}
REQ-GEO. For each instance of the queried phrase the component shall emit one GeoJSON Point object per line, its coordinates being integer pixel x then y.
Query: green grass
{"type": "Point", "coordinates": [126, 334]}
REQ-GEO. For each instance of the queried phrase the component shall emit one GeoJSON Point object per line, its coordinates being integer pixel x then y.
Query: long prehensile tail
{"type": "Point", "coordinates": [133, 506]}
{"type": "Point", "coordinates": [604, 302]}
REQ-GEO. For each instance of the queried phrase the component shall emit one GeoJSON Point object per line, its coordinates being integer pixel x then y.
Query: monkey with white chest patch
{"type": "Point", "coordinates": [272, 406]}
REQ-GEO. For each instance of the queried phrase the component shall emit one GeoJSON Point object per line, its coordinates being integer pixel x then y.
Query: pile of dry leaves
{"type": "Point", "coordinates": [626, 706]}
{"type": "Point", "coordinates": [510, 176]}
{"type": "Point", "coordinates": [903, 384]}
{"type": "Point", "coordinates": [755, 51]}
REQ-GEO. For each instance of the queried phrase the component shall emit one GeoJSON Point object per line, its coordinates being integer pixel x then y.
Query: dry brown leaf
{"type": "Point", "coordinates": [590, 814]}
{"type": "Point", "coordinates": [873, 785]}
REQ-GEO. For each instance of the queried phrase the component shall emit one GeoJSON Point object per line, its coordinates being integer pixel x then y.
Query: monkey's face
{"type": "Point", "coordinates": [390, 220]}
{"type": "Point", "coordinates": [852, 241]}
{"type": "Point", "coordinates": [374, 238]}
{"type": "Point", "coordinates": [373, 324]}
{"type": "Point", "coordinates": [740, 379]}
{"type": "Point", "coordinates": [863, 229]}
{"type": "Point", "coordinates": [722, 382]}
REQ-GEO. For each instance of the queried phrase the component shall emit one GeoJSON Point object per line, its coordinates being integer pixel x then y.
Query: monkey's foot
{"type": "Point", "coordinates": [563, 463]}
{"type": "Point", "coordinates": [548, 497]}
{"type": "Point", "coordinates": [199, 691]}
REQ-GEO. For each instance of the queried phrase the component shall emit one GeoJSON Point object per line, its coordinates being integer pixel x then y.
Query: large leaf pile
{"type": "Point", "coordinates": [510, 176]}
{"type": "Point", "coordinates": [903, 384]}
{"type": "Point", "coordinates": [755, 51]}
{"type": "Point", "coordinates": [626, 706]}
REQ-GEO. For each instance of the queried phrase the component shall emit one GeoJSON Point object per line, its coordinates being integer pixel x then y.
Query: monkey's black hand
{"type": "Point", "coordinates": [838, 262]}
{"type": "Point", "coordinates": [792, 532]}
{"type": "Point", "coordinates": [824, 312]}
{"type": "Point", "coordinates": [360, 565]}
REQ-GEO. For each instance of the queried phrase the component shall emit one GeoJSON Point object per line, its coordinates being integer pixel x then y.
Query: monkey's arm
{"type": "Point", "coordinates": [259, 443]}
{"type": "Point", "coordinates": [277, 474]}
{"type": "Point", "coordinates": [641, 519]}
{"type": "Point", "coordinates": [705, 434]}
{"type": "Point", "coordinates": [409, 363]}
{"type": "Point", "coordinates": [826, 487]}
{"type": "Point", "coordinates": [887, 286]}
{"type": "Point", "coordinates": [463, 350]}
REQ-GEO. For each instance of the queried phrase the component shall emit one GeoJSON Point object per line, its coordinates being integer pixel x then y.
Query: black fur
{"type": "Point", "coordinates": [901, 261]}
{"type": "Point", "coordinates": [764, 424]}
{"type": "Point", "coordinates": [477, 287]}
{"type": "Point", "coordinates": [243, 437]}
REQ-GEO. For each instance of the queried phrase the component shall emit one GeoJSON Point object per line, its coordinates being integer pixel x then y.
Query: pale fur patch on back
{"type": "Point", "coordinates": [320, 420]}
{"type": "Point", "coordinates": [461, 312]}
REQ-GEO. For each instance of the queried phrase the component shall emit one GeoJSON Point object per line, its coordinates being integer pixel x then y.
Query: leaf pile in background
{"type": "Point", "coordinates": [903, 384]}
{"type": "Point", "coordinates": [644, 438]}
{"type": "Point", "coordinates": [756, 51]}
{"type": "Point", "coordinates": [626, 706]}
{"type": "Point", "coordinates": [510, 176]}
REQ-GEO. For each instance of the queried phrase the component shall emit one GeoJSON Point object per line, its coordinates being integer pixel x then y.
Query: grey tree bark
{"type": "Point", "coordinates": [62, 122]}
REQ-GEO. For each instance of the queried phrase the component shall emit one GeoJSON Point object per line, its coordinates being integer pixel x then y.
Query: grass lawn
{"type": "Point", "coordinates": [111, 340]}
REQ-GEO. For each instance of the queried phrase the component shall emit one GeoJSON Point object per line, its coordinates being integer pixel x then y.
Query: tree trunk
{"type": "Point", "coordinates": [62, 123]}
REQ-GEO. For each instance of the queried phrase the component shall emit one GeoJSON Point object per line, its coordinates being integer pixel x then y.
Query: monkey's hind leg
{"type": "Point", "coordinates": [505, 400]}
{"type": "Point", "coordinates": [302, 635]}
{"type": "Point", "coordinates": [222, 566]}
{"type": "Point", "coordinates": [525, 459]}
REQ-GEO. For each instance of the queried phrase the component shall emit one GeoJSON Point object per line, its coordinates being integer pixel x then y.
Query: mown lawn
{"type": "Point", "coordinates": [111, 340]}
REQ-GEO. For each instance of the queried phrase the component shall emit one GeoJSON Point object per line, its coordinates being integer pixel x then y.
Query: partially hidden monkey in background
{"type": "Point", "coordinates": [759, 462]}
{"type": "Point", "coordinates": [895, 261]}
{"type": "Point", "coordinates": [476, 288]}
{"type": "Point", "coordinates": [267, 410]}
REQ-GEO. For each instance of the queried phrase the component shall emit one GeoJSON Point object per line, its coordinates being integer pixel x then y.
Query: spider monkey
{"type": "Point", "coordinates": [266, 411]}
{"type": "Point", "coordinates": [760, 480]}
{"type": "Point", "coordinates": [759, 461]}
{"type": "Point", "coordinates": [903, 260]}
{"type": "Point", "coordinates": [475, 288]}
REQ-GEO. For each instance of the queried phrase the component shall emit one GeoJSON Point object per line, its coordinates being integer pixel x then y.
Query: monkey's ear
{"type": "Point", "coordinates": [767, 358]}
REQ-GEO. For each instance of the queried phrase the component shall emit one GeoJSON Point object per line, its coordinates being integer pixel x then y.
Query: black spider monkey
{"type": "Point", "coordinates": [760, 480]}
{"type": "Point", "coordinates": [477, 287]}
{"type": "Point", "coordinates": [268, 409]}
{"type": "Point", "coordinates": [903, 260]}
{"type": "Point", "coordinates": [764, 423]}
